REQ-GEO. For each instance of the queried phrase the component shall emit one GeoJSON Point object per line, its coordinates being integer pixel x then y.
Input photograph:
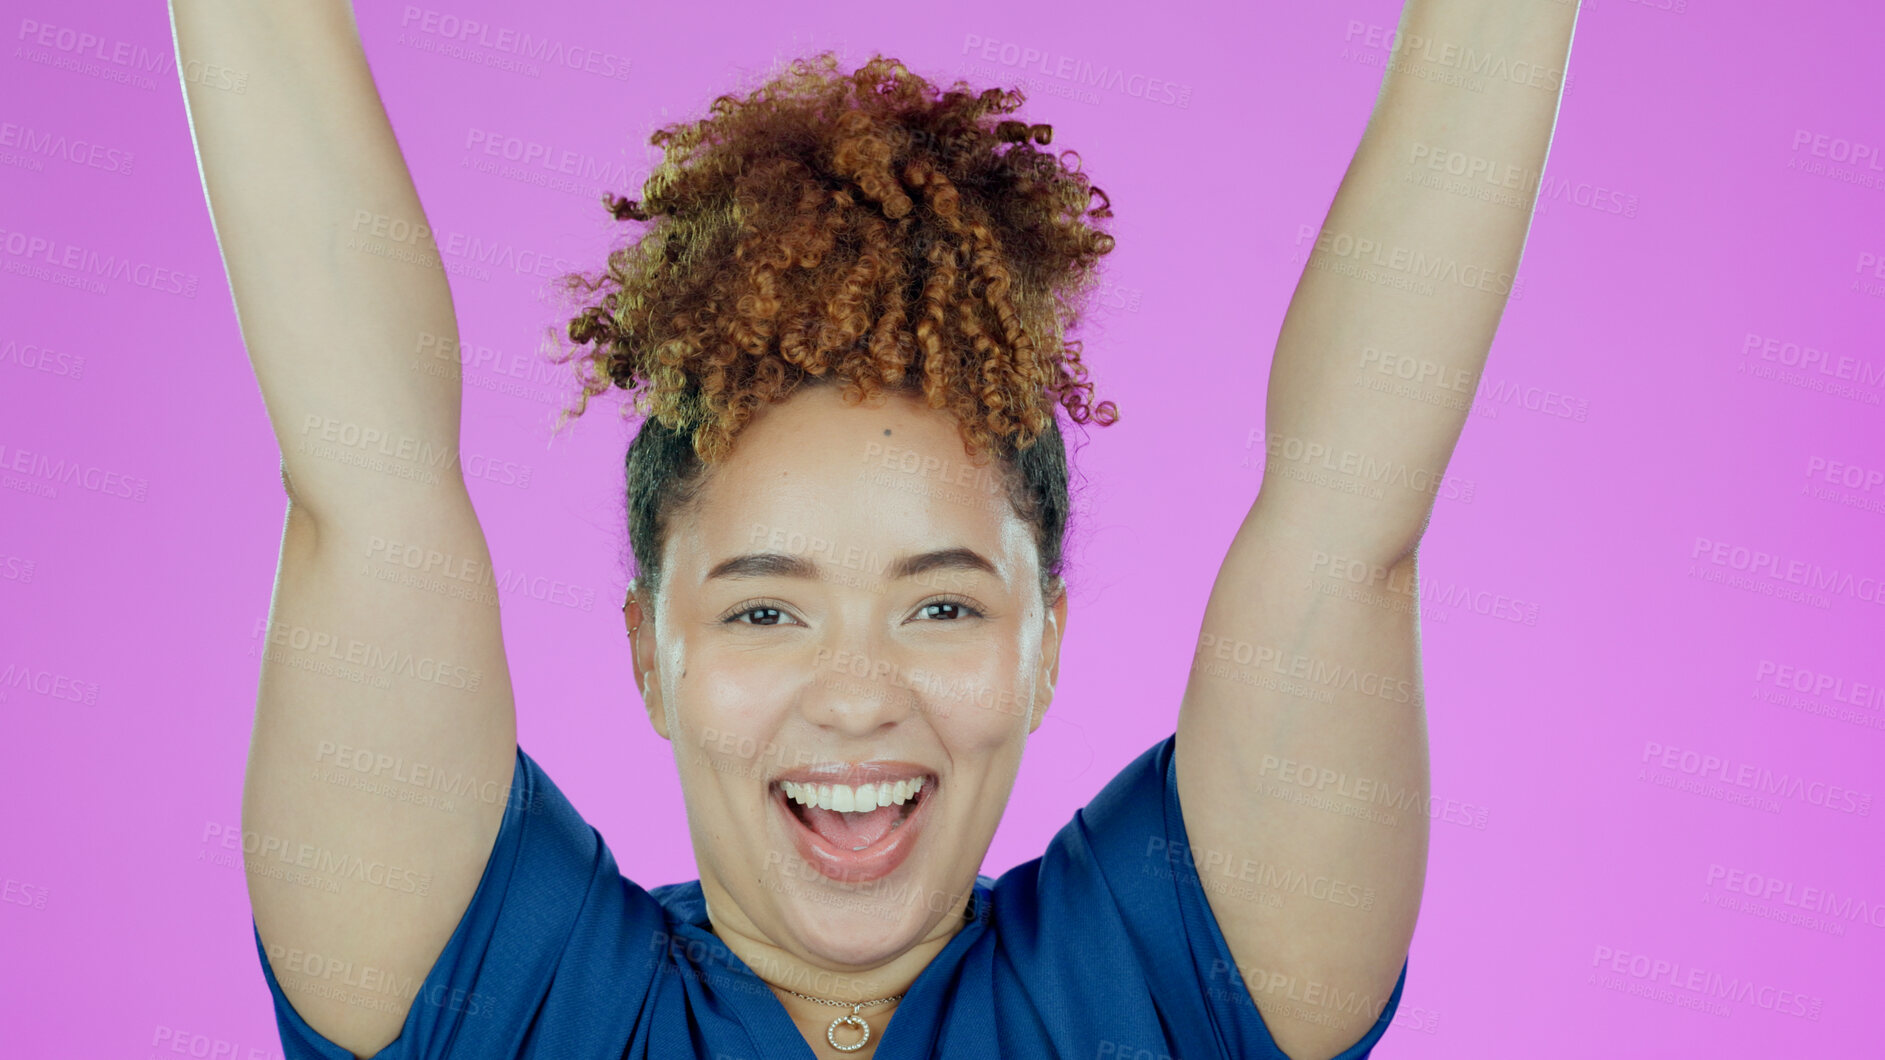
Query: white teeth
{"type": "Point", "coordinates": [847, 799]}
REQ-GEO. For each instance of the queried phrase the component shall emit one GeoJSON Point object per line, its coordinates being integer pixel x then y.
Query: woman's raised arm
{"type": "Point", "coordinates": [384, 731]}
{"type": "Point", "coordinates": [1302, 743]}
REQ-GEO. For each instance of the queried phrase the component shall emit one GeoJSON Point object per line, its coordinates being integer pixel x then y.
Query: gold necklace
{"type": "Point", "coordinates": [831, 1032]}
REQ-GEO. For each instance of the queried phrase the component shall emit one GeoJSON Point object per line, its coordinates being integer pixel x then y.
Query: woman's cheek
{"type": "Point", "coordinates": [985, 710]}
{"type": "Point", "coordinates": [734, 713]}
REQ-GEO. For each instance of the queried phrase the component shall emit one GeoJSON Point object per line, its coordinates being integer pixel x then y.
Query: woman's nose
{"type": "Point", "coordinates": [858, 690]}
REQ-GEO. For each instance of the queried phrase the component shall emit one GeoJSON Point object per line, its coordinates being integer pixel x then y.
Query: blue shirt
{"type": "Point", "coordinates": [1103, 948]}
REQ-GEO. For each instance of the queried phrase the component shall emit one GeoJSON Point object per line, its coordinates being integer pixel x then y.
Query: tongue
{"type": "Point", "coordinates": [849, 831]}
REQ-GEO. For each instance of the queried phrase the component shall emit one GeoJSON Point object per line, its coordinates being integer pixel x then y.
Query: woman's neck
{"type": "Point", "coordinates": [789, 976]}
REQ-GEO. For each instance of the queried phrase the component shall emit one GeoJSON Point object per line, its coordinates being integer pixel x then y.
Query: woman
{"type": "Point", "coordinates": [846, 322]}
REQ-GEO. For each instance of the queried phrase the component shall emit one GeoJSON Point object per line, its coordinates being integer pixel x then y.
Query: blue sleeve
{"type": "Point", "coordinates": [545, 961]}
{"type": "Point", "coordinates": [1118, 900]}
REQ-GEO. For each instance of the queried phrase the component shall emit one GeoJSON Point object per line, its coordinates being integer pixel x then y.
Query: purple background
{"type": "Point", "coordinates": [1737, 148]}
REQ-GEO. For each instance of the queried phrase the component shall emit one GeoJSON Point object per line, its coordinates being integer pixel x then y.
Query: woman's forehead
{"type": "Point", "coordinates": [812, 524]}
{"type": "Point", "coordinates": [850, 488]}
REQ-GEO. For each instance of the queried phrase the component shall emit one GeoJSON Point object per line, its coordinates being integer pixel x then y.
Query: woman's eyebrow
{"type": "Point", "coordinates": [764, 565]}
{"type": "Point", "coordinates": [941, 559]}
{"type": "Point", "coordinates": [784, 565]}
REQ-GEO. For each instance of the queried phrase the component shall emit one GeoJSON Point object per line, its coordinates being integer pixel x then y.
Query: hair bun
{"type": "Point", "coordinates": [867, 227]}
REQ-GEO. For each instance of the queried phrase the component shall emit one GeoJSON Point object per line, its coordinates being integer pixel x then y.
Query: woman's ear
{"type": "Point", "coordinates": [1054, 626]}
{"type": "Point", "coordinates": [641, 641]}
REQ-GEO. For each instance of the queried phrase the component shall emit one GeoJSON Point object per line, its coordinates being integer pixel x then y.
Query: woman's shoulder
{"type": "Point", "coordinates": [1112, 928]}
{"type": "Point", "coordinates": [684, 902]}
{"type": "Point", "coordinates": [1130, 819]}
{"type": "Point", "coordinates": [1109, 930]}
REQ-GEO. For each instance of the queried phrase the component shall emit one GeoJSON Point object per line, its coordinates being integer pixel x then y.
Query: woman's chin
{"type": "Point", "coordinates": [864, 905]}
{"type": "Point", "coordinates": [858, 924]}
{"type": "Point", "coordinates": [863, 936]}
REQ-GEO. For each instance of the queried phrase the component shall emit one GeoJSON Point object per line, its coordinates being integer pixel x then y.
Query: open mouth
{"type": "Point", "coordinates": [855, 833]}
{"type": "Point", "coordinates": [836, 813]}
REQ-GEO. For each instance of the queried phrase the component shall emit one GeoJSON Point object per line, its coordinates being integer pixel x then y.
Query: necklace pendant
{"type": "Point", "coordinates": [855, 1020]}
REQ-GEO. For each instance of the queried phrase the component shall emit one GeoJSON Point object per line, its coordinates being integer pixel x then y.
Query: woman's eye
{"type": "Point", "coordinates": [938, 610]}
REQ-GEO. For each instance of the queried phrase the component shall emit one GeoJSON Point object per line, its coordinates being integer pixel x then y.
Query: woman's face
{"type": "Point", "coordinates": [852, 612]}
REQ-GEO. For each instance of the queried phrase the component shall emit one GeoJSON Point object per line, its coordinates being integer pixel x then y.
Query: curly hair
{"type": "Point", "coordinates": [867, 231]}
